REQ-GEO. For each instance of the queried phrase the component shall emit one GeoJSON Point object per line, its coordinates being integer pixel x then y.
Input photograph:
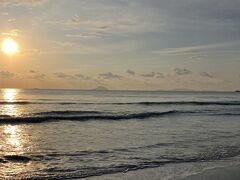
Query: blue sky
{"type": "Point", "coordinates": [122, 44]}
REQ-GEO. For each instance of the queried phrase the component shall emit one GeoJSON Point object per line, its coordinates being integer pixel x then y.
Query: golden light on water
{"type": "Point", "coordinates": [9, 96]}
{"type": "Point", "coordinates": [10, 110]}
{"type": "Point", "coordinates": [15, 139]}
{"type": "Point", "coordinates": [13, 134]}
{"type": "Point", "coordinates": [9, 46]}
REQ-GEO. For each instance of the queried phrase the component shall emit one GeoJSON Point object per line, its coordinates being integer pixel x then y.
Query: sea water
{"type": "Point", "coordinates": [67, 134]}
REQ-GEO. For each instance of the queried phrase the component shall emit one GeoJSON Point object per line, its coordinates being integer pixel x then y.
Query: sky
{"type": "Point", "coordinates": [122, 44]}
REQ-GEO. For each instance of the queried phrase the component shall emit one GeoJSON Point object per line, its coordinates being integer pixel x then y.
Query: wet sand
{"type": "Point", "coordinates": [224, 173]}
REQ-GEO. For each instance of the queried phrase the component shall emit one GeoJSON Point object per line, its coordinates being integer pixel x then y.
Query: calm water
{"type": "Point", "coordinates": [61, 134]}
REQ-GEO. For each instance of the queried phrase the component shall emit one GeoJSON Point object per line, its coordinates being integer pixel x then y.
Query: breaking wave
{"type": "Point", "coordinates": [98, 115]}
{"type": "Point", "coordinates": [81, 171]}
{"type": "Point", "coordinates": [80, 116]}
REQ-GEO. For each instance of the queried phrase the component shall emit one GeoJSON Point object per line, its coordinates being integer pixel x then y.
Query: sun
{"type": "Point", "coordinates": [9, 46]}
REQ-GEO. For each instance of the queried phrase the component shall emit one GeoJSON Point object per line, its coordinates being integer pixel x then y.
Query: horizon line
{"type": "Point", "coordinates": [136, 90]}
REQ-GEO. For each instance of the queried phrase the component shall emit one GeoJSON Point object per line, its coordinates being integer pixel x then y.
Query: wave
{"type": "Point", "coordinates": [84, 171]}
{"type": "Point", "coordinates": [198, 103]}
{"type": "Point", "coordinates": [16, 102]}
{"type": "Point", "coordinates": [71, 117]}
{"type": "Point", "coordinates": [35, 102]}
{"type": "Point", "coordinates": [67, 112]}
{"type": "Point", "coordinates": [16, 158]}
{"type": "Point", "coordinates": [187, 103]}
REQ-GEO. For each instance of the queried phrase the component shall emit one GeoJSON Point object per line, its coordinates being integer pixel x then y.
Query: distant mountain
{"type": "Point", "coordinates": [100, 88]}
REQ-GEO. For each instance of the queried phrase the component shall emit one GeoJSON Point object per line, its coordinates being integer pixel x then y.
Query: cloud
{"type": "Point", "coordinates": [103, 24]}
{"type": "Point", "coordinates": [86, 35]}
{"type": "Point", "coordinates": [157, 75]}
{"type": "Point", "coordinates": [33, 71]}
{"type": "Point", "coordinates": [61, 45]}
{"type": "Point", "coordinates": [205, 74]}
{"type": "Point", "coordinates": [198, 57]}
{"type": "Point", "coordinates": [110, 75]}
{"type": "Point", "coordinates": [103, 21]}
{"type": "Point", "coordinates": [82, 77]}
{"type": "Point", "coordinates": [185, 13]}
{"type": "Point", "coordinates": [198, 50]}
{"type": "Point", "coordinates": [38, 76]}
{"type": "Point", "coordinates": [182, 71]}
{"type": "Point", "coordinates": [205, 9]}
{"type": "Point", "coordinates": [12, 32]}
{"type": "Point", "coordinates": [130, 72]}
{"type": "Point", "coordinates": [160, 75]}
{"type": "Point", "coordinates": [22, 2]}
{"type": "Point", "coordinates": [6, 74]}
{"type": "Point", "coordinates": [62, 75]}
{"type": "Point", "coordinates": [149, 75]}
{"type": "Point", "coordinates": [76, 19]}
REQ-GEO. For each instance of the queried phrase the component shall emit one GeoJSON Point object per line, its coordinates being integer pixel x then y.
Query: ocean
{"type": "Point", "coordinates": [74, 134]}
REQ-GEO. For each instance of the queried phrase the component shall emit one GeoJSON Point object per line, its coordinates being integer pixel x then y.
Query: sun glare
{"type": "Point", "coordinates": [9, 46]}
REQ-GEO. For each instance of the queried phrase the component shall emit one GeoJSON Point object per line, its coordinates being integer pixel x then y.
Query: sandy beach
{"type": "Point", "coordinates": [225, 173]}
{"type": "Point", "coordinates": [222, 173]}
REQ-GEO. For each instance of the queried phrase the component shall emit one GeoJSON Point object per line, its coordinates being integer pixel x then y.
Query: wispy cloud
{"type": "Point", "coordinates": [86, 35]}
{"type": "Point", "coordinates": [12, 32]}
{"type": "Point", "coordinates": [6, 74]}
{"type": "Point", "coordinates": [153, 75]}
{"type": "Point", "coordinates": [206, 74]}
{"type": "Point", "coordinates": [63, 75]}
{"type": "Point", "coordinates": [130, 72]}
{"type": "Point", "coordinates": [33, 71]}
{"type": "Point", "coordinates": [149, 75]}
{"type": "Point", "coordinates": [36, 75]}
{"type": "Point", "coordinates": [196, 50]}
{"type": "Point", "coordinates": [160, 75]}
{"type": "Point", "coordinates": [182, 71]}
{"type": "Point", "coordinates": [22, 2]}
{"type": "Point", "coordinates": [110, 75]}
{"type": "Point", "coordinates": [83, 77]}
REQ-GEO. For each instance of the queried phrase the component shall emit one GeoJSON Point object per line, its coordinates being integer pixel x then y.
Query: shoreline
{"type": "Point", "coordinates": [220, 173]}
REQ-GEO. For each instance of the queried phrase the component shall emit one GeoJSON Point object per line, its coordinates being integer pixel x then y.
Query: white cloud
{"type": "Point", "coordinates": [193, 50]}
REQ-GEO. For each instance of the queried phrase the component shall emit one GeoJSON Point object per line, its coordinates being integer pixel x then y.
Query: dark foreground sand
{"type": "Point", "coordinates": [223, 173]}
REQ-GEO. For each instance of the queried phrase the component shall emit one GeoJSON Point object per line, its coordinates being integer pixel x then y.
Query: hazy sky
{"type": "Point", "coordinates": [122, 44]}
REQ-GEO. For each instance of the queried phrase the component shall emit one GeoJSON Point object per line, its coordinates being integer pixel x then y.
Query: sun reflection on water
{"type": "Point", "coordinates": [9, 96]}
{"type": "Point", "coordinates": [15, 140]}
{"type": "Point", "coordinates": [13, 137]}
